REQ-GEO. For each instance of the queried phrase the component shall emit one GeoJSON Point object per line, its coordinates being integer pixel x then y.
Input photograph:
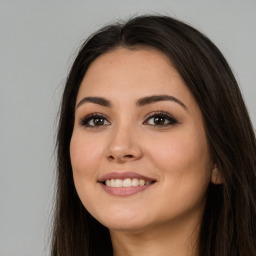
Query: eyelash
{"type": "Point", "coordinates": [166, 117]}
{"type": "Point", "coordinates": [162, 114]}
{"type": "Point", "coordinates": [85, 120]}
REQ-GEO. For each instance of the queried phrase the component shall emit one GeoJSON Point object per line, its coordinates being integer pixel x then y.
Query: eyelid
{"type": "Point", "coordinates": [87, 118]}
{"type": "Point", "coordinates": [165, 114]}
{"type": "Point", "coordinates": [84, 120]}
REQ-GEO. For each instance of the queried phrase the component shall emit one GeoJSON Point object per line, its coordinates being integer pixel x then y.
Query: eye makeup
{"type": "Point", "coordinates": [157, 118]}
{"type": "Point", "coordinates": [94, 120]}
{"type": "Point", "coordinates": [160, 118]}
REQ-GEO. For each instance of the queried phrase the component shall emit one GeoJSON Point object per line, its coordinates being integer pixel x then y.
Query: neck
{"type": "Point", "coordinates": [168, 239]}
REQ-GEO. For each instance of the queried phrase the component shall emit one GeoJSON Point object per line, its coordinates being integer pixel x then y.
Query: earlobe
{"type": "Point", "coordinates": [216, 176]}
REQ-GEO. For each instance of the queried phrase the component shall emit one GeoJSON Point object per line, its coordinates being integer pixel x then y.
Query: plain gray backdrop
{"type": "Point", "coordinates": [38, 43]}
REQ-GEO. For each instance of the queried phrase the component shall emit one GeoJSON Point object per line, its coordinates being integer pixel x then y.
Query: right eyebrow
{"type": "Point", "coordinates": [96, 100]}
{"type": "Point", "coordinates": [156, 98]}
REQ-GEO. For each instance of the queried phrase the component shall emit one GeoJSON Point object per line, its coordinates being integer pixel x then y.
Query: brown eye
{"type": "Point", "coordinates": [94, 120]}
{"type": "Point", "coordinates": [98, 121]}
{"type": "Point", "coordinates": [160, 119]}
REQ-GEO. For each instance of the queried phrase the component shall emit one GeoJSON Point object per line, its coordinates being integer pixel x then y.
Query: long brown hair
{"type": "Point", "coordinates": [229, 221]}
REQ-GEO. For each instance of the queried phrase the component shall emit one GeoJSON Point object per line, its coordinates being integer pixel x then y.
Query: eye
{"type": "Point", "coordinates": [160, 119]}
{"type": "Point", "coordinates": [94, 120]}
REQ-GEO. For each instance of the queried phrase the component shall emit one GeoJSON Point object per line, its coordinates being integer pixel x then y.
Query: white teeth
{"type": "Point", "coordinates": [135, 182]}
{"type": "Point", "coordinates": [118, 183]}
{"type": "Point", "coordinates": [112, 183]}
{"type": "Point", "coordinates": [142, 182]}
{"type": "Point", "coordinates": [127, 183]}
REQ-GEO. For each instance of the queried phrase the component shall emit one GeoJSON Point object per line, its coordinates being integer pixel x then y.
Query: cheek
{"type": "Point", "coordinates": [85, 161]}
{"type": "Point", "coordinates": [184, 163]}
{"type": "Point", "coordinates": [181, 149]}
{"type": "Point", "coordinates": [84, 155]}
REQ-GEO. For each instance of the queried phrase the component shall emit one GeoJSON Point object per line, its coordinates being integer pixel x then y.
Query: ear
{"type": "Point", "coordinates": [216, 176]}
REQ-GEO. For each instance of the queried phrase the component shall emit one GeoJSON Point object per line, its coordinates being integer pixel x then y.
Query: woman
{"type": "Point", "coordinates": [156, 151]}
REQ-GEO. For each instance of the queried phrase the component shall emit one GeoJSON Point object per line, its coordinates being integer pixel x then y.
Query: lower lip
{"type": "Point", "coordinates": [125, 191]}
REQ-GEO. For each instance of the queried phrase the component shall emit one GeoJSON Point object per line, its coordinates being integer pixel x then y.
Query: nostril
{"type": "Point", "coordinates": [128, 156]}
{"type": "Point", "coordinates": [120, 158]}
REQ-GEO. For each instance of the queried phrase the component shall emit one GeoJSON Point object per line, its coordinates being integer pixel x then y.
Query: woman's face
{"type": "Point", "coordinates": [139, 151]}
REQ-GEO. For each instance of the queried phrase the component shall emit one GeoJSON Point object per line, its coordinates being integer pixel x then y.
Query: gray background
{"type": "Point", "coordinates": [37, 45]}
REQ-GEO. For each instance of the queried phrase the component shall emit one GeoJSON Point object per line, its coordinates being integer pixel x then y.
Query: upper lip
{"type": "Point", "coordinates": [124, 175]}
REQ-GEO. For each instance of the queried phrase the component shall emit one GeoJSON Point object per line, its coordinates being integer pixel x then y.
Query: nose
{"type": "Point", "coordinates": [124, 146]}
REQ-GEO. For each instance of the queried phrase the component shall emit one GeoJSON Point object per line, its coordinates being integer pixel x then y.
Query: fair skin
{"type": "Point", "coordinates": [135, 119]}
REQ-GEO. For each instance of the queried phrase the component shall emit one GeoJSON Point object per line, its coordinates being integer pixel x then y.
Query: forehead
{"type": "Point", "coordinates": [133, 73]}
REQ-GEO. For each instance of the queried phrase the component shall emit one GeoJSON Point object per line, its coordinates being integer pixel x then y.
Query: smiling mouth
{"type": "Point", "coordinates": [126, 183]}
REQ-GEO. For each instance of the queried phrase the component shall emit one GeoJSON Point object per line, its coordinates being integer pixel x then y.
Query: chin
{"type": "Point", "coordinates": [127, 228]}
{"type": "Point", "coordinates": [124, 223]}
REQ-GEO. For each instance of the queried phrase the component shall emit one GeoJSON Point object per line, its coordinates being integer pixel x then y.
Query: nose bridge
{"type": "Point", "coordinates": [123, 142]}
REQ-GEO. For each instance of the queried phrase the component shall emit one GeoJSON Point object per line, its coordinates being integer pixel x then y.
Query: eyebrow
{"type": "Point", "coordinates": [156, 98]}
{"type": "Point", "coordinates": [141, 102]}
{"type": "Point", "coordinates": [96, 100]}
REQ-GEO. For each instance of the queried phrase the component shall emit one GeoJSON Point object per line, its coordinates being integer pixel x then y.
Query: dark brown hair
{"type": "Point", "coordinates": [229, 221]}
